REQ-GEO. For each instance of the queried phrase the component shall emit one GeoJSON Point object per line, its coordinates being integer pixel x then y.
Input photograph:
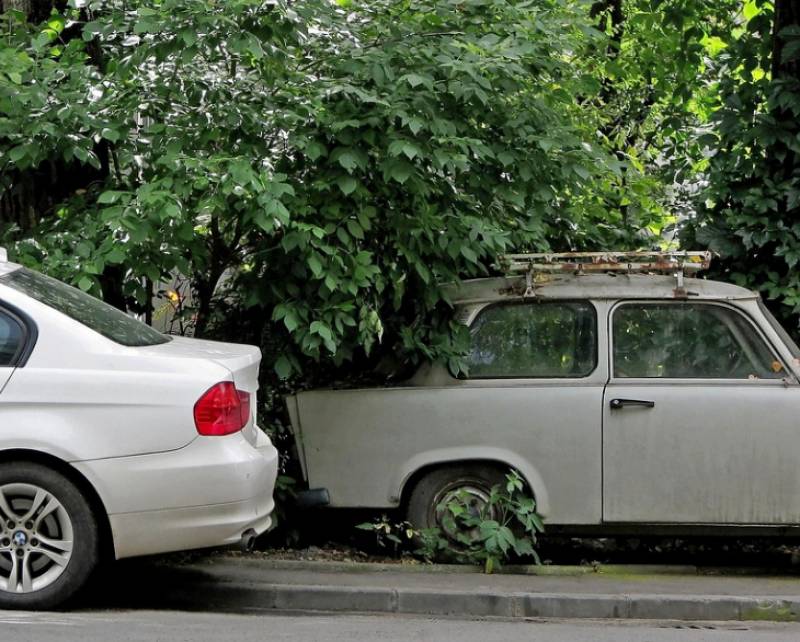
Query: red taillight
{"type": "Point", "coordinates": [244, 401]}
{"type": "Point", "coordinates": [222, 410]}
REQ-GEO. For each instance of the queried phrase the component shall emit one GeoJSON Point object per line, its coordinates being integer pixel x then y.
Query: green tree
{"type": "Point", "coordinates": [342, 159]}
{"type": "Point", "coordinates": [654, 76]}
{"type": "Point", "coordinates": [749, 211]}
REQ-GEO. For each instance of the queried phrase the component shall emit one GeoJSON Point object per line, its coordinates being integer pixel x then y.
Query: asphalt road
{"type": "Point", "coordinates": [172, 626]}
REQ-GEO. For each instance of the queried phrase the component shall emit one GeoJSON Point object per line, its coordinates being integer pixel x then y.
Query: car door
{"type": "Point", "coordinates": [12, 336]}
{"type": "Point", "coordinates": [700, 420]}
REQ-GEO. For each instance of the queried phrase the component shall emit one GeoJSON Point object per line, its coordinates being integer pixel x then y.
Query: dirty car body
{"type": "Point", "coordinates": [622, 399]}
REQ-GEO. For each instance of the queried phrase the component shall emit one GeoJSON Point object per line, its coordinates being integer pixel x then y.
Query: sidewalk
{"type": "Point", "coordinates": [256, 585]}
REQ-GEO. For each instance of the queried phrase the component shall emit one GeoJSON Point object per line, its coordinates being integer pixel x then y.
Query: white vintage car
{"type": "Point", "coordinates": [117, 439]}
{"type": "Point", "coordinates": [626, 396]}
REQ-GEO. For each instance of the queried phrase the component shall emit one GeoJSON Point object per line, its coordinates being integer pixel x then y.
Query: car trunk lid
{"type": "Point", "coordinates": [241, 360]}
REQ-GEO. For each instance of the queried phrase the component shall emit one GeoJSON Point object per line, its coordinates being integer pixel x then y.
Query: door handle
{"type": "Point", "coordinates": [616, 404]}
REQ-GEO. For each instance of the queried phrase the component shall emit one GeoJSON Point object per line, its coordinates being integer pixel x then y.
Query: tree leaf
{"type": "Point", "coordinates": [355, 229]}
{"type": "Point", "coordinates": [283, 367]}
{"type": "Point", "coordinates": [347, 184]}
{"type": "Point", "coordinates": [109, 197]}
{"type": "Point", "coordinates": [398, 170]}
{"type": "Point", "coordinates": [315, 265]}
{"type": "Point", "coordinates": [318, 327]}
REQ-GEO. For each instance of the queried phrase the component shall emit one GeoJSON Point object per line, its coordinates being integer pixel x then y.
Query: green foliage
{"type": "Point", "coordinates": [504, 526]}
{"type": "Point", "coordinates": [424, 160]}
{"type": "Point", "coordinates": [748, 211]}
{"type": "Point", "coordinates": [33, 127]}
{"type": "Point", "coordinates": [398, 536]}
{"type": "Point", "coordinates": [317, 170]}
{"type": "Point", "coordinates": [344, 159]}
{"type": "Point", "coordinates": [648, 82]}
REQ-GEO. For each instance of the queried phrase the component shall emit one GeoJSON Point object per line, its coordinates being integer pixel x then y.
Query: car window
{"type": "Point", "coordinates": [11, 337]}
{"type": "Point", "coordinates": [787, 340]}
{"type": "Point", "coordinates": [91, 312]}
{"type": "Point", "coordinates": [547, 339]}
{"type": "Point", "coordinates": [689, 341]}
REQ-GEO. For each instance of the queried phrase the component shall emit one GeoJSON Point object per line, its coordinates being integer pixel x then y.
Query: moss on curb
{"type": "Point", "coordinates": [771, 612]}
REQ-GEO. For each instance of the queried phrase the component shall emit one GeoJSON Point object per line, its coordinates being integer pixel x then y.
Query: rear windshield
{"type": "Point", "coordinates": [91, 312]}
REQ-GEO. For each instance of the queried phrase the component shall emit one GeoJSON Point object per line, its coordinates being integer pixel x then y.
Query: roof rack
{"type": "Point", "coordinates": [676, 263]}
{"type": "Point", "coordinates": [651, 262]}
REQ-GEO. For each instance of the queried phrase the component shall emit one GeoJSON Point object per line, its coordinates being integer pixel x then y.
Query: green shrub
{"type": "Point", "coordinates": [505, 526]}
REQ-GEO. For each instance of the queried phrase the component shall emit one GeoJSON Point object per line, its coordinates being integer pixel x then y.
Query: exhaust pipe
{"type": "Point", "coordinates": [248, 541]}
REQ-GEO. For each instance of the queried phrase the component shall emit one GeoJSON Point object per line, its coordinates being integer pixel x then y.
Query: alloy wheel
{"type": "Point", "coordinates": [36, 539]}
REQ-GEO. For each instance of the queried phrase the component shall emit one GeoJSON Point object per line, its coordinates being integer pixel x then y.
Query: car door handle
{"type": "Point", "coordinates": [621, 403]}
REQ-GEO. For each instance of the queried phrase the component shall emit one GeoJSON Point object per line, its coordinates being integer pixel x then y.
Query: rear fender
{"type": "Point", "coordinates": [297, 431]}
{"type": "Point", "coordinates": [472, 453]}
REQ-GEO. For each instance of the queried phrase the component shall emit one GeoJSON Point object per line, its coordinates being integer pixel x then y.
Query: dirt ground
{"type": "Point", "coordinates": [333, 536]}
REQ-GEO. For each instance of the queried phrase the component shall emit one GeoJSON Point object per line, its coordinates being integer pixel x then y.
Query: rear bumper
{"type": "Point", "coordinates": [182, 529]}
{"type": "Point", "coordinates": [206, 494]}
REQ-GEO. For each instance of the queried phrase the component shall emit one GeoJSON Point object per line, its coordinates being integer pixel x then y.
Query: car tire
{"type": "Point", "coordinates": [435, 487]}
{"type": "Point", "coordinates": [49, 542]}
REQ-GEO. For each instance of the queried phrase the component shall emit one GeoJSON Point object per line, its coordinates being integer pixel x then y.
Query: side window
{"type": "Point", "coordinates": [548, 339]}
{"type": "Point", "coordinates": [11, 337]}
{"type": "Point", "coordinates": [689, 341]}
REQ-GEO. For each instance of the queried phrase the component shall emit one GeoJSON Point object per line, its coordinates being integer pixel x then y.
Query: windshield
{"type": "Point", "coordinates": [780, 330]}
{"type": "Point", "coordinates": [91, 312]}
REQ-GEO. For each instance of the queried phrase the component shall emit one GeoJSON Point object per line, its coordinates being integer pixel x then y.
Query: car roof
{"type": "Point", "coordinates": [594, 286]}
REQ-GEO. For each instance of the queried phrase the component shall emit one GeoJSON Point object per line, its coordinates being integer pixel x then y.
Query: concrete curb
{"type": "Point", "coordinates": [245, 585]}
{"type": "Point", "coordinates": [470, 604]}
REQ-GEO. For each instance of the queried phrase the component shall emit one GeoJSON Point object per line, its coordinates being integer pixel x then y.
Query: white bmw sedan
{"type": "Point", "coordinates": [115, 437]}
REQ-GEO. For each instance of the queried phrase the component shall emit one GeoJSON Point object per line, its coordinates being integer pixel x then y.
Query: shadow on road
{"type": "Point", "coordinates": [160, 584]}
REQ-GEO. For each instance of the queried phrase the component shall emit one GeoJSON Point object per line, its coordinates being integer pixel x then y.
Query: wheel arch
{"type": "Point", "coordinates": [81, 482]}
{"type": "Point", "coordinates": [420, 465]}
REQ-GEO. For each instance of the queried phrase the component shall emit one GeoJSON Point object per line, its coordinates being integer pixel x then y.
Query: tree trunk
{"type": "Point", "coordinates": [611, 21]}
{"type": "Point", "coordinates": [203, 287]}
{"type": "Point", "coordinates": [35, 10]}
{"type": "Point", "coordinates": [26, 6]}
{"type": "Point", "coordinates": [787, 14]}
{"type": "Point", "coordinates": [784, 158]}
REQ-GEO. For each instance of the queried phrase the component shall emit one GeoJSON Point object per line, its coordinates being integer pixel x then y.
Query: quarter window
{"type": "Point", "coordinates": [689, 341]}
{"type": "Point", "coordinates": [548, 339]}
{"type": "Point", "coordinates": [11, 336]}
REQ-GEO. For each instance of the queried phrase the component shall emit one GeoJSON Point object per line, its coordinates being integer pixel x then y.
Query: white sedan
{"type": "Point", "coordinates": [116, 438]}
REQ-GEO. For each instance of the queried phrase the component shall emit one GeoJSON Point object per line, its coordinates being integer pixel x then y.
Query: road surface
{"type": "Point", "coordinates": [173, 626]}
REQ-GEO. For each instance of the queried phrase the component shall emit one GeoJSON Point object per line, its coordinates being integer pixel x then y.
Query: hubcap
{"type": "Point", "coordinates": [36, 538]}
{"type": "Point", "coordinates": [471, 496]}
